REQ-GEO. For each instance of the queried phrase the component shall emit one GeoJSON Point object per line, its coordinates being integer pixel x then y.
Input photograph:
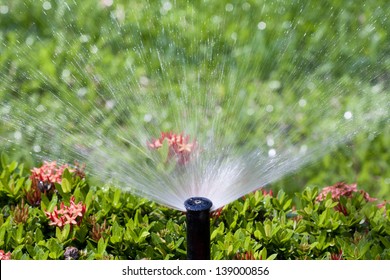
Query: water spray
{"type": "Point", "coordinates": [198, 228]}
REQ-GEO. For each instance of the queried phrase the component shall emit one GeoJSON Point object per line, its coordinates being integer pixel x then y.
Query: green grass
{"type": "Point", "coordinates": [342, 47]}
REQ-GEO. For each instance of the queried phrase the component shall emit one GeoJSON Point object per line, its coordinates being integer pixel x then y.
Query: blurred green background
{"type": "Point", "coordinates": [91, 66]}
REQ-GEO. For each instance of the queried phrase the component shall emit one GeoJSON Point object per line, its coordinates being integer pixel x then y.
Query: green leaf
{"type": "Point", "coordinates": [19, 238]}
{"type": "Point", "coordinates": [52, 203]}
{"type": "Point", "coordinates": [38, 235]}
{"type": "Point", "coordinates": [268, 229]}
{"type": "Point", "coordinates": [272, 257]}
{"type": "Point", "coordinates": [63, 234]}
{"type": "Point", "coordinates": [117, 195]}
{"type": "Point", "coordinates": [101, 248]}
{"type": "Point", "coordinates": [66, 185]}
{"type": "Point", "coordinates": [12, 166]}
{"type": "Point", "coordinates": [116, 233]}
{"type": "Point", "coordinates": [4, 160]}
{"type": "Point", "coordinates": [324, 217]}
{"type": "Point", "coordinates": [89, 199]}
{"type": "Point", "coordinates": [67, 175]}
{"type": "Point", "coordinates": [55, 247]}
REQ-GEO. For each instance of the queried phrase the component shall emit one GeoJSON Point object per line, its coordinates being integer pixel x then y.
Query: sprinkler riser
{"type": "Point", "coordinates": [198, 228]}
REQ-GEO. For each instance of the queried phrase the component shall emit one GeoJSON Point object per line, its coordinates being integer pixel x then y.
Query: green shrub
{"type": "Point", "coordinates": [117, 225]}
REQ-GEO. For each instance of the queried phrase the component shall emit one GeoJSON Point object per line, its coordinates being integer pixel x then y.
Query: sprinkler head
{"type": "Point", "coordinates": [198, 228]}
{"type": "Point", "coordinates": [198, 204]}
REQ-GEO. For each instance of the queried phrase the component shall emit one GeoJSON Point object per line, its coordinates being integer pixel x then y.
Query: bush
{"type": "Point", "coordinates": [75, 220]}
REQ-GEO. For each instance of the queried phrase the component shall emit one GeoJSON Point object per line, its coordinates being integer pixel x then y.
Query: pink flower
{"type": "Point", "coordinates": [180, 146]}
{"type": "Point", "coordinates": [72, 214]}
{"type": "Point", "coordinates": [5, 256]}
{"type": "Point", "coordinates": [382, 204]}
{"type": "Point", "coordinates": [342, 189]}
{"type": "Point", "coordinates": [48, 174]}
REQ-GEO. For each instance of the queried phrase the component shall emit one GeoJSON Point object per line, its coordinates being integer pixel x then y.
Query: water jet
{"type": "Point", "coordinates": [198, 228]}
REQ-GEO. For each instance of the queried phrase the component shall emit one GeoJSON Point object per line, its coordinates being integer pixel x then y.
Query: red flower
{"type": "Point", "coordinates": [5, 256]}
{"type": "Point", "coordinates": [48, 174]}
{"type": "Point", "coordinates": [216, 213]}
{"type": "Point", "coordinates": [180, 146]}
{"type": "Point", "coordinates": [337, 256]}
{"type": "Point", "coordinates": [342, 189]}
{"type": "Point", "coordinates": [265, 193]}
{"type": "Point", "coordinates": [72, 214]}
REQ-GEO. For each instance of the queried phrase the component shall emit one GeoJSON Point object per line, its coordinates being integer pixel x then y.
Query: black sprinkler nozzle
{"type": "Point", "coordinates": [198, 228]}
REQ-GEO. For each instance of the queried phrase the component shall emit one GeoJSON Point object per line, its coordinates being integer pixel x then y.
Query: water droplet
{"type": "Point", "coordinates": [246, 6]}
{"type": "Point", "coordinates": [4, 9]}
{"type": "Point", "coordinates": [250, 111]}
{"type": "Point", "coordinates": [272, 153]}
{"type": "Point", "coordinates": [148, 117]}
{"type": "Point", "coordinates": [81, 92]}
{"type": "Point", "coordinates": [287, 25]}
{"type": "Point", "coordinates": [261, 25]}
{"type": "Point", "coordinates": [166, 7]}
{"type": "Point", "coordinates": [6, 109]}
{"type": "Point", "coordinates": [303, 149]}
{"type": "Point", "coordinates": [270, 141]}
{"type": "Point", "coordinates": [216, 20]}
{"type": "Point", "coordinates": [98, 142]}
{"type": "Point", "coordinates": [40, 108]}
{"type": "Point", "coordinates": [18, 135]}
{"type": "Point", "coordinates": [119, 14]}
{"type": "Point", "coordinates": [302, 102]}
{"type": "Point", "coordinates": [234, 36]}
{"type": "Point", "coordinates": [37, 148]}
{"type": "Point", "coordinates": [84, 38]}
{"type": "Point", "coordinates": [46, 5]}
{"type": "Point", "coordinates": [65, 74]}
{"type": "Point", "coordinates": [229, 7]}
{"type": "Point", "coordinates": [107, 3]}
{"type": "Point", "coordinates": [348, 115]}
{"type": "Point", "coordinates": [30, 129]}
{"type": "Point", "coordinates": [144, 81]}
{"type": "Point", "coordinates": [29, 40]}
{"type": "Point", "coordinates": [377, 88]}
{"type": "Point", "coordinates": [269, 108]}
{"type": "Point", "coordinates": [110, 104]}
{"type": "Point", "coordinates": [274, 85]}
{"type": "Point", "coordinates": [310, 85]}
{"type": "Point", "coordinates": [94, 49]}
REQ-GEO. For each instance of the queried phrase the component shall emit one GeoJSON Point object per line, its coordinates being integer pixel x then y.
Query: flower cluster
{"type": "Point", "coordinates": [179, 145]}
{"type": "Point", "coordinates": [98, 230]}
{"type": "Point", "coordinates": [21, 213]}
{"type": "Point", "coordinates": [337, 256]}
{"type": "Point", "coordinates": [341, 189]}
{"type": "Point", "coordinates": [245, 256]}
{"type": "Point", "coordinates": [48, 174]}
{"type": "Point", "coordinates": [72, 214]}
{"type": "Point", "coordinates": [5, 256]}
